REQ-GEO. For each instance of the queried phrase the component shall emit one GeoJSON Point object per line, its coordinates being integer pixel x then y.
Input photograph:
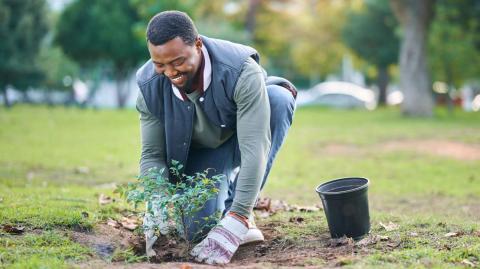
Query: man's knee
{"type": "Point", "coordinates": [282, 102]}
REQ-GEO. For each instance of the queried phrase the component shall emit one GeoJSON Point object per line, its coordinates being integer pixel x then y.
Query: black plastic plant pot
{"type": "Point", "coordinates": [345, 202]}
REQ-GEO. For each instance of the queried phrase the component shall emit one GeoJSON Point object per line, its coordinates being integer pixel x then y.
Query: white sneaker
{"type": "Point", "coordinates": [254, 235]}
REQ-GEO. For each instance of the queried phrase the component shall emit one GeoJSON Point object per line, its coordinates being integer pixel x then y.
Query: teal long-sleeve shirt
{"type": "Point", "coordinates": [253, 132]}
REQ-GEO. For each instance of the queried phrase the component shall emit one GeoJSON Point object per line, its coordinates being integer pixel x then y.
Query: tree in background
{"type": "Point", "coordinates": [59, 71]}
{"type": "Point", "coordinates": [415, 18]}
{"type": "Point", "coordinates": [92, 32]}
{"type": "Point", "coordinates": [22, 27]}
{"type": "Point", "coordinates": [195, 9]}
{"type": "Point", "coordinates": [317, 47]}
{"type": "Point", "coordinates": [267, 29]}
{"type": "Point", "coordinates": [209, 17]}
{"type": "Point", "coordinates": [454, 43]}
{"type": "Point", "coordinates": [292, 44]}
{"type": "Point", "coordinates": [370, 33]}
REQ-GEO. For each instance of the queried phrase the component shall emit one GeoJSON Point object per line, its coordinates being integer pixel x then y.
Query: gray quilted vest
{"type": "Point", "coordinates": [227, 59]}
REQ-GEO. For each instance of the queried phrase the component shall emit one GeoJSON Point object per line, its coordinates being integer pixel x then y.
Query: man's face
{"type": "Point", "coordinates": [177, 61]}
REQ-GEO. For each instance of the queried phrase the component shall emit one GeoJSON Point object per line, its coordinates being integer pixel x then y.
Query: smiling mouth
{"type": "Point", "coordinates": [177, 79]}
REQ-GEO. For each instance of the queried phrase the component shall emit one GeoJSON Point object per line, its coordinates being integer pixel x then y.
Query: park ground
{"type": "Point", "coordinates": [59, 167]}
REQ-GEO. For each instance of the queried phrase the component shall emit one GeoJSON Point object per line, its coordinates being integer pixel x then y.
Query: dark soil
{"type": "Point", "coordinates": [274, 252]}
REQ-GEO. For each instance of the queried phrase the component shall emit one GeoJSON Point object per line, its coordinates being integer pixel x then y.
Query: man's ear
{"type": "Point", "coordinates": [198, 43]}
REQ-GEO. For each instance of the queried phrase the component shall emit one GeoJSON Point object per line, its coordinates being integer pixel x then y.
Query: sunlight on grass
{"type": "Point", "coordinates": [54, 163]}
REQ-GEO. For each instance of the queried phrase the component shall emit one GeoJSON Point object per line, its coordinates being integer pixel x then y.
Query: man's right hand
{"type": "Point", "coordinates": [150, 239]}
{"type": "Point", "coordinates": [150, 223]}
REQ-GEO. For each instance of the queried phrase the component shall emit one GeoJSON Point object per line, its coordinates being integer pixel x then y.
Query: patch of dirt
{"type": "Point", "coordinates": [342, 149]}
{"type": "Point", "coordinates": [444, 148]}
{"type": "Point", "coordinates": [277, 251]}
{"type": "Point", "coordinates": [105, 239]}
{"type": "Point", "coordinates": [274, 252]}
{"type": "Point", "coordinates": [281, 252]}
{"type": "Point", "coordinates": [436, 147]}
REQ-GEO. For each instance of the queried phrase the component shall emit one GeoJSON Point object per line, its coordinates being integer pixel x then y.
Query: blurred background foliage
{"type": "Point", "coordinates": [49, 44]}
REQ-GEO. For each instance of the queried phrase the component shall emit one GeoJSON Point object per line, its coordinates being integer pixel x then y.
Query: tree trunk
{"type": "Point", "coordinates": [450, 87]}
{"type": "Point", "coordinates": [382, 82]}
{"type": "Point", "coordinates": [120, 95]}
{"type": "Point", "coordinates": [6, 102]}
{"type": "Point", "coordinates": [251, 17]}
{"type": "Point", "coordinates": [123, 90]}
{"type": "Point", "coordinates": [25, 97]}
{"type": "Point", "coordinates": [415, 17]}
{"type": "Point", "coordinates": [48, 93]}
{"type": "Point", "coordinates": [96, 77]}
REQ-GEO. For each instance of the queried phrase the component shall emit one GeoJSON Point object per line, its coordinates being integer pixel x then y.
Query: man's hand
{"type": "Point", "coordinates": [150, 239]}
{"type": "Point", "coordinates": [150, 223]}
{"type": "Point", "coordinates": [222, 241]}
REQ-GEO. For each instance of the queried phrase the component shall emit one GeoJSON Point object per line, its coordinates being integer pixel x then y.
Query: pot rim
{"type": "Point", "coordinates": [342, 192]}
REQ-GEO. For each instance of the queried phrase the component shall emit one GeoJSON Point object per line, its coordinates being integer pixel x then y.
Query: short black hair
{"type": "Point", "coordinates": [168, 25]}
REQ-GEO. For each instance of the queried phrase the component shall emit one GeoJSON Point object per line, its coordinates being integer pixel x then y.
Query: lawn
{"type": "Point", "coordinates": [56, 162]}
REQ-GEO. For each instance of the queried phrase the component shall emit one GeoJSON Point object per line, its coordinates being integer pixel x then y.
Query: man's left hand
{"type": "Point", "coordinates": [221, 242]}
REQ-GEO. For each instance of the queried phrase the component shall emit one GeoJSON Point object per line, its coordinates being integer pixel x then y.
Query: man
{"type": "Point", "coordinates": [205, 103]}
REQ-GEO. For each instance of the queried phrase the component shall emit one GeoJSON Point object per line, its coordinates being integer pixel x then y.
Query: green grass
{"type": "Point", "coordinates": [430, 248]}
{"type": "Point", "coordinates": [42, 144]}
{"type": "Point", "coordinates": [421, 240]}
{"type": "Point", "coordinates": [73, 207]}
{"type": "Point", "coordinates": [54, 163]}
{"type": "Point", "coordinates": [302, 164]}
{"type": "Point", "coordinates": [49, 249]}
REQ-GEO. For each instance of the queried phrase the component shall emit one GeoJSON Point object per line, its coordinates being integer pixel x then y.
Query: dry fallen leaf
{"type": "Point", "coordinates": [263, 203]}
{"type": "Point", "coordinates": [268, 207]}
{"type": "Point", "coordinates": [453, 234]}
{"type": "Point", "coordinates": [279, 205]}
{"type": "Point", "coordinates": [305, 208]}
{"type": "Point", "coordinates": [369, 240]}
{"type": "Point", "coordinates": [266, 204]}
{"type": "Point", "coordinates": [390, 226]}
{"type": "Point", "coordinates": [129, 223]}
{"type": "Point", "coordinates": [104, 200]}
{"type": "Point", "coordinates": [113, 223]}
{"type": "Point", "coordinates": [13, 229]}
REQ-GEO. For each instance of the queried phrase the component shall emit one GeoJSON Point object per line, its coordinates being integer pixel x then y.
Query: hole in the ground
{"type": "Point", "coordinates": [104, 250]}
